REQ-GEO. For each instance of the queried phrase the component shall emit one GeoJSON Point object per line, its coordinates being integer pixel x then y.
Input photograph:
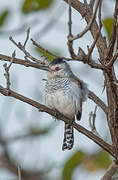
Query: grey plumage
{"type": "Point", "coordinates": [65, 94]}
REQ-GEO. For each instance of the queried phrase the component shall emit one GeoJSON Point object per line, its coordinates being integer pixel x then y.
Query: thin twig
{"type": "Point", "coordinates": [94, 43]}
{"type": "Point", "coordinates": [7, 68]}
{"type": "Point", "coordinates": [91, 4]}
{"type": "Point", "coordinates": [19, 173]}
{"type": "Point", "coordinates": [70, 42]}
{"type": "Point", "coordinates": [88, 27]}
{"type": "Point", "coordinates": [22, 48]}
{"type": "Point", "coordinates": [111, 62]}
{"type": "Point", "coordinates": [84, 58]}
{"type": "Point", "coordinates": [48, 52]}
{"type": "Point", "coordinates": [91, 95]}
{"type": "Point", "coordinates": [113, 36]}
{"type": "Point", "coordinates": [92, 118]}
{"type": "Point", "coordinates": [70, 19]}
{"type": "Point", "coordinates": [27, 37]}
{"type": "Point", "coordinates": [81, 56]}
{"type": "Point", "coordinates": [99, 15]}
{"type": "Point", "coordinates": [42, 48]}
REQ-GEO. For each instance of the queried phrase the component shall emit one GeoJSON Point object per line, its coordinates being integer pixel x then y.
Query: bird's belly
{"type": "Point", "coordinates": [66, 103]}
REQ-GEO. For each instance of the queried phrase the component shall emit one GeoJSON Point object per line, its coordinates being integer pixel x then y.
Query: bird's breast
{"type": "Point", "coordinates": [63, 95]}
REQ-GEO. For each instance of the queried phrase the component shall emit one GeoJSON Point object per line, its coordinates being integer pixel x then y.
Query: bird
{"type": "Point", "coordinates": [65, 93]}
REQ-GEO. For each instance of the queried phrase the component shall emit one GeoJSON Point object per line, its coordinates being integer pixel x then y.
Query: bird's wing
{"type": "Point", "coordinates": [83, 93]}
{"type": "Point", "coordinates": [79, 111]}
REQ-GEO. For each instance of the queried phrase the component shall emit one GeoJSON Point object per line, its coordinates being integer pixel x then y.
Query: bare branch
{"type": "Point", "coordinates": [27, 37]}
{"type": "Point", "coordinates": [47, 51]}
{"type": "Point", "coordinates": [43, 108]}
{"type": "Point", "coordinates": [19, 173]}
{"type": "Point", "coordinates": [86, 13]}
{"type": "Point", "coordinates": [111, 62]}
{"type": "Point", "coordinates": [22, 48]}
{"type": "Point", "coordinates": [42, 48]}
{"type": "Point", "coordinates": [98, 101]}
{"type": "Point", "coordinates": [83, 57]}
{"type": "Point", "coordinates": [110, 172]}
{"type": "Point", "coordinates": [94, 43]}
{"type": "Point", "coordinates": [92, 118]}
{"type": "Point", "coordinates": [88, 27]}
{"type": "Point", "coordinates": [20, 61]}
{"type": "Point", "coordinates": [113, 36]}
{"type": "Point", "coordinates": [92, 2]}
{"type": "Point", "coordinates": [99, 15]}
{"type": "Point", "coordinates": [91, 95]}
{"type": "Point", "coordinates": [7, 68]}
{"type": "Point", "coordinates": [70, 20]}
{"type": "Point", "coordinates": [88, 60]}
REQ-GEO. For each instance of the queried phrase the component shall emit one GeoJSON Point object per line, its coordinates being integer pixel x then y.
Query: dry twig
{"type": "Point", "coordinates": [7, 68]}
{"type": "Point", "coordinates": [42, 48]}
{"type": "Point", "coordinates": [88, 27]}
{"type": "Point", "coordinates": [27, 37]}
{"type": "Point", "coordinates": [92, 118]}
{"type": "Point", "coordinates": [22, 48]}
{"type": "Point", "coordinates": [47, 51]}
{"type": "Point", "coordinates": [19, 173]}
{"type": "Point", "coordinates": [110, 172]}
{"type": "Point", "coordinates": [93, 44]}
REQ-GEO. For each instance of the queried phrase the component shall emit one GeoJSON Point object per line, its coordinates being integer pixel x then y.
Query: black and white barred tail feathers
{"type": "Point", "coordinates": [68, 137]}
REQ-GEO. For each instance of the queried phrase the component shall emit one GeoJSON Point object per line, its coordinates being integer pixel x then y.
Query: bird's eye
{"type": "Point", "coordinates": [57, 69]}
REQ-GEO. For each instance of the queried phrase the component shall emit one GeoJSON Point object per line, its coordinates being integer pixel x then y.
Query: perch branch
{"type": "Point", "coordinates": [91, 95]}
{"type": "Point", "coordinates": [43, 108]}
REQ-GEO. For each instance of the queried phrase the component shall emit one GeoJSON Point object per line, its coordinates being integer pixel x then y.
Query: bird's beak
{"type": "Point", "coordinates": [46, 68]}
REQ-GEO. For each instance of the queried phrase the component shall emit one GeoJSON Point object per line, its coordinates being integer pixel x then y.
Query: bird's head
{"type": "Point", "coordinates": [58, 68]}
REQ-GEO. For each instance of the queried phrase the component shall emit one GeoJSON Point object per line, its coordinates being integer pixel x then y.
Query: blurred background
{"type": "Point", "coordinates": [31, 140]}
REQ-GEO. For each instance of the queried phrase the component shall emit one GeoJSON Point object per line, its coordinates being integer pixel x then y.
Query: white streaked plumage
{"type": "Point", "coordinates": [65, 93]}
{"type": "Point", "coordinates": [65, 98]}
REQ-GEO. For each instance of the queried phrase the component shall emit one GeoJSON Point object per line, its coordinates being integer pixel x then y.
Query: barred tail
{"type": "Point", "coordinates": [68, 137]}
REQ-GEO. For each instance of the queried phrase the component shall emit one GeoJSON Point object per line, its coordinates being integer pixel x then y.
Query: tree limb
{"type": "Point", "coordinates": [110, 172]}
{"type": "Point", "coordinates": [43, 108]}
{"type": "Point", "coordinates": [91, 95]}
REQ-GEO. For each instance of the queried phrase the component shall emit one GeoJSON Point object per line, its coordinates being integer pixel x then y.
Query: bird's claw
{"type": "Point", "coordinates": [57, 114]}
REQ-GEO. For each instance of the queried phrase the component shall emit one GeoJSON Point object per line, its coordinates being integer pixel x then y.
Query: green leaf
{"type": "Point", "coordinates": [97, 161]}
{"type": "Point", "coordinates": [71, 164]}
{"type": "Point", "coordinates": [44, 53]}
{"type": "Point", "coordinates": [100, 160]}
{"type": "Point", "coordinates": [108, 24]}
{"type": "Point", "coordinates": [30, 6]}
{"type": "Point", "coordinates": [3, 17]}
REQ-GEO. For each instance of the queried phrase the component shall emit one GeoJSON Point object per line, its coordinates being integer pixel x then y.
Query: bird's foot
{"type": "Point", "coordinates": [57, 114]}
{"type": "Point", "coordinates": [71, 122]}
